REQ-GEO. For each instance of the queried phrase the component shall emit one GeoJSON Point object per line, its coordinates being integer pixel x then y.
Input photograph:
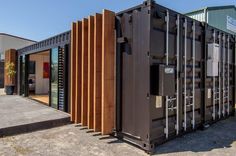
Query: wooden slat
{"type": "Point", "coordinates": [97, 72]}
{"type": "Point", "coordinates": [10, 57]}
{"type": "Point", "coordinates": [108, 72]}
{"type": "Point", "coordinates": [90, 71]}
{"type": "Point", "coordinates": [78, 71]}
{"type": "Point", "coordinates": [84, 95]}
{"type": "Point", "coordinates": [72, 71]}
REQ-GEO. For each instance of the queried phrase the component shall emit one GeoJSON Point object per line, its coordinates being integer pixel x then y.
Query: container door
{"type": "Point", "coordinates": [24, 60]}
{"type": "Point", "coordinates": [219, 93]}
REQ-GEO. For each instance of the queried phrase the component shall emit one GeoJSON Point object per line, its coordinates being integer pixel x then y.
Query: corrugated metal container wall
{"type": "Point", "coordinates": [219, 90]}
{"type": "Point", "coordinates": [218, 18]}
{"type": "Point", "coordinates": [160, 75]}
{"type": "Point", "coordinates": [200, 16]}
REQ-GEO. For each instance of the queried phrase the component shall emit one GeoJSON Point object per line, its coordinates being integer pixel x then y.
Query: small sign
{"type": "Point", "coordinates": [158, 101]}
{"type": "Point", "coordinates": [231, 24]}
{"type": "Point", "coordinates": [169, 70]}
{"type": "Point", "coordinates": [209, 93]}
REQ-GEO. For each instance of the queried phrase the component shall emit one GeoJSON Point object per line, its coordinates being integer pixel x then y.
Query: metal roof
{"type": "Point", "coordinates": [4, 34]}
{"type": "Point", "coordinates": [58, 40]}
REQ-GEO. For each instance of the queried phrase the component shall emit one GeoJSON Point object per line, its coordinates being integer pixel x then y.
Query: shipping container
{"type": "Point", "coordinates": [173, 74]}
{"type": "Point", "coordinates": [220, 88]}
{"type": "Point", "coordinates": [167, 64]}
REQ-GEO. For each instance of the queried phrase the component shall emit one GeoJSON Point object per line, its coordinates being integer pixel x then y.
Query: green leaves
{"type": "Point", "coordinates": [10, 69]}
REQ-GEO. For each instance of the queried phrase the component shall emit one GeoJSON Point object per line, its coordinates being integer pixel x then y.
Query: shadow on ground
{"type": "Point", "coordinates": [218, 136]}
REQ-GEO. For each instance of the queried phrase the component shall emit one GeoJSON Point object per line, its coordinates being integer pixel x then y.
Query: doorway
{"type": "Point", "coordinates": [44, 77]}
{"type": "Point", "coordinates": [39, 76]}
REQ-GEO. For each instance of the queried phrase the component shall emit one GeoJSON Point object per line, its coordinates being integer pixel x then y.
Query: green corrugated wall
{"type": "Point", "coordinates": [218, 18]}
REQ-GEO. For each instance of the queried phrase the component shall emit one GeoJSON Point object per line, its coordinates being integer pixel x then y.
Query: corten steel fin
{"type": "Point", "coordinates": [73, 71]}
{"type": "Point", "coordinates": [93, 43]}
{"type": "Point", "coordinates": [97, 71]}
{"type": "Point", "coordinates": [78, 66]}
{"type": "Point", "coordinates": [108, 72]}
{"type": "Point", "coordinates": [90, 72]}
{"type": "Point", "coordinates": [84, 95]}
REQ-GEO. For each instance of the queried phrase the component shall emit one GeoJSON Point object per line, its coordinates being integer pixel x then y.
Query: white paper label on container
{"type": "Point", "coordinates": [209, 93]}
{"type": "Point", "coordinates": [158, 101]}
{"type": "Point", "coordinates": [169, 70]}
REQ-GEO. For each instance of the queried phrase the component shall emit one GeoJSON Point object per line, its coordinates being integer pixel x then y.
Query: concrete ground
{"type": "Point", "coordinates": [18, 115]}
{"type": "Point", "coordinates": [71, 140]}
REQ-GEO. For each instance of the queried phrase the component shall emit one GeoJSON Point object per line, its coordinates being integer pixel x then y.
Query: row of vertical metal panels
{"type": "Point", "coordinates": [92, 74]}
{"type": "Point", "coordinates": [154, 106]}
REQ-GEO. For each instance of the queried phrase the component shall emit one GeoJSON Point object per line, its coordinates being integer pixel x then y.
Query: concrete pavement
{"type": "Point", "coordinates": [20, 115]}
{"type": "Point", "coordinates": [71, 140]}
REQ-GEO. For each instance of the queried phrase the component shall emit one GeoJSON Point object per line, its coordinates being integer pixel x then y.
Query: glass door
{"type": "Point", "coordinates": [24, 59]}
{"type": "Point", "coordinates": [54, 78]}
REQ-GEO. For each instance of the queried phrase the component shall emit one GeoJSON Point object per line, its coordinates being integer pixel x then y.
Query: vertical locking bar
{"type": "Point", "coordinates": [219, 111]}
{"type": "Point", "coordinates": [185, 74]}
{"type": "Point", "coordinates": [177, 62]}
{"type": "Point", "coordinates": [223, 100]}
{"type": "Point", "coordinates": [228, 76]}
{"type": "Point", "coordinates": [167, 63]}
{"type": "Point", "coordinates": [193, 91]}
{"type": "Point", "coordinates": [214, 82]}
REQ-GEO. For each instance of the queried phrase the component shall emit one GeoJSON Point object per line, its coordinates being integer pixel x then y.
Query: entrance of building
{"type": "Point", "coordinates": [43, 77]}
{"type": "Point", "coordinates": [38, 76]}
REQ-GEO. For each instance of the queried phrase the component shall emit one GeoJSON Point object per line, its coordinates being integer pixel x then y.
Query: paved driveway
{"type": "Point", "coordinates": [73, 140]}
{"type": "Point", "coordinates": [19, 115]}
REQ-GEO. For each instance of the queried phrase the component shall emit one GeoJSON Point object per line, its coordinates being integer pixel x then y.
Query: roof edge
{"type": "Point", "coordinates": [211, 8]}
{"type": "Point", "coordinates": [18, 37]}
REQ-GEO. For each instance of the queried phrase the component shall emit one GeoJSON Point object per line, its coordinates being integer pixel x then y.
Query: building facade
{"type": "Point", "coordinates": [141, 74]}
{"type": "Point", "coordinates": [221, 17]}
{"type": "Point", "coordinates": [9, 41]}
{"type": "Point", "coordinates": [43, 69]}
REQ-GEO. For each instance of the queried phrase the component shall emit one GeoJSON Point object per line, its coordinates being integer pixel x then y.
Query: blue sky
{"type": "Point", "coordinates": [40, 19]}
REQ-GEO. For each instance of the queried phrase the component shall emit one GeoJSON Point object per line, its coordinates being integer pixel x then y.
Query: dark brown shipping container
{"type": "Point", "coordinates": [220, 90]}
{"type": "Point", "coordinates": [163, 86]}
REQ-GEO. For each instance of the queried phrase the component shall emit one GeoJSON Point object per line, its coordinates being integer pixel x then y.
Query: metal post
{"type": "Point", "coordinates": [185, 74]}
{"type": "Point", "coordinates": [228, 78]}
{"type": "Point", "coordinates": [219, 112]}
{"type": "Point", "coordinates": [177, 62]}
{"type": "Point", "coordinates": [193, 91]}
{"type": "Point", "coordinates": [223, 111]}
{"type": "Point", "coordinates": [214, 83]}
{"type": "Point", "coordinates": [167, 63]}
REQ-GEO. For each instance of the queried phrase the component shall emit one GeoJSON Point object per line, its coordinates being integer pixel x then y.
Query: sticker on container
{"type": "Point", "coordinates": [169, 70]}
{"type": "Point", "coordinates": [158, 101]}
{"type": "Point", "coordinates": [209, 93]}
